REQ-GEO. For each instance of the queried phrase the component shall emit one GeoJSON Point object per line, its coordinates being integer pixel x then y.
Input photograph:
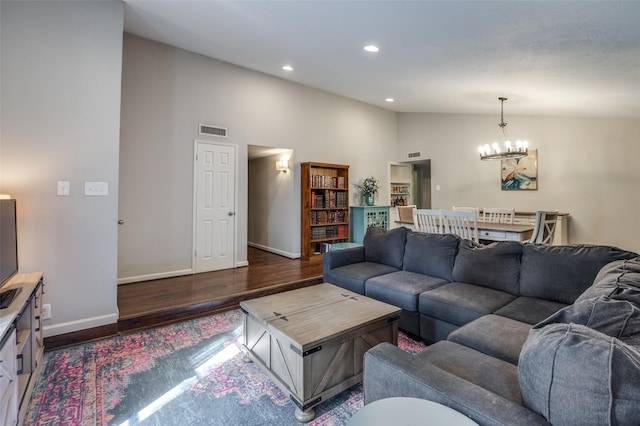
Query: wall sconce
{"type": "Point", "coordinates": [282, 165]}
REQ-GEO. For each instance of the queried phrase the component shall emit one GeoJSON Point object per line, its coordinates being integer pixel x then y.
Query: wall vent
{"type": "Point", "coordinates": [209, 130]}
{"type": "Point", "coordinates": [414, 155]}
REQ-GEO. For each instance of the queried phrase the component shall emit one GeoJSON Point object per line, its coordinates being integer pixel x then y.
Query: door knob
{"type": "Point", "coordinates": [231, 213]}
{"type": "Point", "coordinates": [120, 222]}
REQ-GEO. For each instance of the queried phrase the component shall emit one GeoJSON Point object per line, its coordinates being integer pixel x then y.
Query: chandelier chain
{"type": "Point", "coordinates": [502, 123]}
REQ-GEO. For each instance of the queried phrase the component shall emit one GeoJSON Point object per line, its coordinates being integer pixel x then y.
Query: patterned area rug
{"type": "Point", "coordinates": [191, 373]}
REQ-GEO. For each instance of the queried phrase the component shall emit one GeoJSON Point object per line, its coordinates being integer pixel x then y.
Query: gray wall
{"type": "Point", "coordinates": [61, 68]}
{"type": "Point", "coordinates": [60, 116]}
{"type": "Point", "coordinates": [586, 167]}
{"type": "Point", "coordinates": [272, 216]}
{"type": "Point", "coordinates": [166, 92]}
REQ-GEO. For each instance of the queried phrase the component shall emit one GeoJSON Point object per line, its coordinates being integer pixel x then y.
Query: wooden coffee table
{"type": "Point", "coordinates": [311, 341]}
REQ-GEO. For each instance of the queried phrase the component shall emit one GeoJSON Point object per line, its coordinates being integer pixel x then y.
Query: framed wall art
{"type": "Point", "coordinates": [520, 173]}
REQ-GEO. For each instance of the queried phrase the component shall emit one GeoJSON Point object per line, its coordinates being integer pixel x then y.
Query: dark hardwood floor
{"type": "Point", "coordinates": [152, 303]}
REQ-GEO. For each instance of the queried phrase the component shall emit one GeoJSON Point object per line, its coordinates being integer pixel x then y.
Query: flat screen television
{"type": "Point", "coordinates": [8, 241]}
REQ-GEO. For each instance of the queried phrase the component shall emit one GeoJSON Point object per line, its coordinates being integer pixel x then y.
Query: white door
{"type": "Point", "coordinates": [214, 233]}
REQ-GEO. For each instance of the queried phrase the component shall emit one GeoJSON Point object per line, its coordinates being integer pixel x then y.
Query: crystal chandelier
{"type": "Point", "coordinates": [495, 152]}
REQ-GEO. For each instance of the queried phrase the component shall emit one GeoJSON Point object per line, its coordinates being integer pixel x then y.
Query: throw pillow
{"type": "Point", "coordinates": [495, 266]}
{"type": "Point", "coordinates": [573, 375]}
{"type": "Point", "coordinates": [431, 254]}
{"type": "Point", "coordinates": [615, 318]}
{"type": "Point", "coordinates": [618, 280]}
{"type": "Point", "coordinates": [385, 246]}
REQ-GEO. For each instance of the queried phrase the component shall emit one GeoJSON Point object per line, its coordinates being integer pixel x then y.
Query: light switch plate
{"type": "Point", "coordinates": [96, 188]}
{"type": "Point", "coordinates": [64, 188]}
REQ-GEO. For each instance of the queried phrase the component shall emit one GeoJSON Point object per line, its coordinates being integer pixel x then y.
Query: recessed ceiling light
{"type": "Point", "coordinates": [287, 68]}
{"type": "Point", "coordinates": [389, 100]}
{"type": "Point", "coordinates": [371, 48]}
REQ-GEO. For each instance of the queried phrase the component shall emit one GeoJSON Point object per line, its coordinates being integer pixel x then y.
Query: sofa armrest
{"type": "Point", "coordinates": [338, 258]}
{"type": "Point", "coordinates": [392, 372]}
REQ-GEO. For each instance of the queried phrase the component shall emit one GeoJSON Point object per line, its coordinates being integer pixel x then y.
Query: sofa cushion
{"type": "Point", "coordinates": [385, 246]}
{"type": "Point", "coordinates": [431, 254]}
{"type": "Point", "coordinates": [495, 266]}
{"type": "Point", "coordinates": [401, 288]}
{"type": "Point", "coordinates": [477, 385]}
{"type": "Point", "coordinates": [618, 280]}
{"type": "Point", "coordinates": [497, 336]}
{"type": "Point", "coordinates": [615, 318]}
{"type": "Point", "coordinates": [571, 375]}
{"type": "Point", "coordinates": [461, 303]}
{"type": "Point", "coordinates": [352, 277]}
{"type": "Point", "coordinates": [530, 309]}
{"type": "Point", "coordinates": [562, 273]}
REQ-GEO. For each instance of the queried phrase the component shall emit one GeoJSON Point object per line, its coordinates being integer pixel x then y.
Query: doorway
{"type": "Point", "coordinates": [273, 216]}
{"type": "Point", "coordinates": [421, 177]}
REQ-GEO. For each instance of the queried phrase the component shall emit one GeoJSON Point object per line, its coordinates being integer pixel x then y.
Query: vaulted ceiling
{"type": "Point", "coordinates": [547, 57]}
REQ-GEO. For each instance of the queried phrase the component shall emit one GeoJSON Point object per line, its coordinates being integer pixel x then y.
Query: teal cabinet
{"type": "Point", "coordinates": [362, 217]}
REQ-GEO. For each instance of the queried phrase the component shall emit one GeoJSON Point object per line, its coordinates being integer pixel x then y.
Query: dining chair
{"type": "Point", "coordinates": [544, 228]}
{"type": "Point", "coordinates": [473, 209]}
{"type": "Point", "coordinates": [497, 215]}
{"type": "Point", "coordinates": [428, 221]}
{"type": "Point", "coordinates": [464, 208]}
{"type": "Point", "coordinates": [405, 213]}
{"type": "Point", "coordinates": [463, 223]}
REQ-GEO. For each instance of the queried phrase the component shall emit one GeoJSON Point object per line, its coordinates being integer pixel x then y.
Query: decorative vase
{"type": "Point", "coordinates": [369, 199]}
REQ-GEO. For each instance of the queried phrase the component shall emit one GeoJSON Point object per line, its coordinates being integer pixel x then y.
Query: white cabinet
{"type": "Point", "coordinates": [401, 184]}
{"type": "Point", "coordinates": [8, 381]}
{"type": "Point", "coordinates": [400, 188]}
{"type": "Point", "coordinates": [22, 347]}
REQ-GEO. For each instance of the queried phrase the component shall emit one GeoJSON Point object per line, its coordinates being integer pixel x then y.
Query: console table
{"type": "Point", "coordinates": [21, 346]}
{"type": "Point", "coordinates": [363, 217]}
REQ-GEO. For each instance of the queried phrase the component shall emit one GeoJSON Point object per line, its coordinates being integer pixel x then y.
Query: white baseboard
{"type": "Point", "coordinates": [242, 263]}
{"type": "Point", "coordinates": [276, 251]}
{"type": "Point", "coordinates": [157, 276]}
{"type": "Point", "coordinates": [83, 324]}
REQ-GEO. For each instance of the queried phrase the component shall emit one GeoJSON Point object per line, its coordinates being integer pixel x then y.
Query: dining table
{"type": "Point", "coordinates": [492, 231]}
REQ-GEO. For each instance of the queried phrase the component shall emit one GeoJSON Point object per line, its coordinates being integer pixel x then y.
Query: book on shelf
{"type": "Point", "coordinates": [324, 181]}
{"type": "Point", "coordinates": [329, 231]}
{"type": "Point", "coordinates": [326, 217]}
{"type": "Point", "coordinates": [320, 248]}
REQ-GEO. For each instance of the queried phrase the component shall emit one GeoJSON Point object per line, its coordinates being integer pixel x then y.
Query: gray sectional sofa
{"type": "Point", "coordinates": [520, 334]}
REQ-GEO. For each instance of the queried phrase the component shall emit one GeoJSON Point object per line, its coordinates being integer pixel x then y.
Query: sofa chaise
{"type": "Point", "coordinates": [519, 334]}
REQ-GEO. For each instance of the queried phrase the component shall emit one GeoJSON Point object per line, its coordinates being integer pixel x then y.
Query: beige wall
{"type": "Point", "coordinates": [166, 92]}
{"type": "Point", "coordinates": [61, 67]}
{"type": "Point", "coordinates": [60, 114]}
{"type": "Point", "coordinates": [272, 219]}
{"type": "Point", "coordinates": [586, 167]}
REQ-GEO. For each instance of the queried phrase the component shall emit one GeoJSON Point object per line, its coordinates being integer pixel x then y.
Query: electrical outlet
{"type": "Point", "coordinates": [46, 311]}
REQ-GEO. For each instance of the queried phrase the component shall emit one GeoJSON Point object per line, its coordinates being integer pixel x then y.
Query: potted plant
{"type": "Point", "coordinates": [369, 189]}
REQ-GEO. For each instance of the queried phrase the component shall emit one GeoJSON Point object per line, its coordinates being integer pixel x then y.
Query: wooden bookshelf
{"type": "Point", "coordinates": [325, 207]}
